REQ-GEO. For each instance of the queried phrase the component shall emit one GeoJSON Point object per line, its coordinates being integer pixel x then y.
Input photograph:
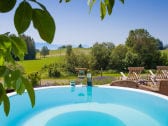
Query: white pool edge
{"type": "Point", "coordinates": [102, 86]}
{"type": "Point", "coordinates": [137, 90]}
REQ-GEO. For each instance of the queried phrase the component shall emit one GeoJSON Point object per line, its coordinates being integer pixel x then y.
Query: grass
{"type": "Point", "coordinates": [36, 65]}
{"type": "Point", "coordinates": [86, 51]}
{"type": "Point", "coordinates": [96, 80]}
{"type": "Point", "coordinates": [54, 53]}
{"type": "Point", "coordinates": [62, 52]}
{"type": "Point", "coordinates": [54, 56]}
{"type": "Point", "coordinates": [165, 51]}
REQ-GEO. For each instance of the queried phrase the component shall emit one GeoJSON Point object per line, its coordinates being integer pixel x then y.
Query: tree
{"type": "Point", "coordinates": [145, 46]}
{"type": "Point", "coordinates": [100, 55]}
{"type": "Point", "coordinates": [164, 59]}
{"type": "Point", "coordinates": [76, 60]}
{"type": "Point", "coordinates": [24, 15]}
{"type": "Point", "coordinates": [31, 49]}
{"type": "Point", "coordinates": [44, 51]}
{"type": "Point", "coordinates": [80, 46]}
{"type": "Point", "coordinates": [131, 59]}
{"type": "Point", "coordinates": [62, 47]}
{"type": "Point", "coordinates": [109, 45]}
{"type": "Point", "coordinates": [159, 44]}
{"type": "Point", "coordinates": [68, 50]}
{"type": "Point", "coordinates": [117, 58]}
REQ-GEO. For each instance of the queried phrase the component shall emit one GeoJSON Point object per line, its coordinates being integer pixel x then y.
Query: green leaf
{"type": "Point", "coordinates": [91, 3]}
{"type": "Point", "coordinates": [33, 0]}
{"type": "Point", "coordinates": [2, 60]}
{"type": "Point", "coordinates": [60, 1]}
{"type": "Point", "coordinates": [15, 74]}
{"type": "Point", "coordinates": [21, 89]}
{"type": "Point", "coordinates": [2, 70]}
{"type": "Point", "coordinates": [30, 90]}
{"type": "Point", "coordinates": [11, 77]}
{"type": "Point", "coordinates": [7, 5]}
{"type": "Point", "coordinates": [102, 10]}
{"type": "Point", "coordinates": [109, 4]}
{"type": "Point", "coordinates": [4, 42]}
{"type": "Point", "coordinates": [45, 24]}
{"type": "Point", "coordinates": [5, 48]}
{"type": "Point", "coordinates": [40, 4]}
{"type": "Point", "coordinates": [67, 0]}
{"type": "Point", "coordinates": [19, 47]}
{"type": "Point", "coordinates": [18, 83]}
{"type": "Point", "coordinates": [0, 97]}
{"type": "Point", "coordinates": [5, 99]}
{"type": "Point", "coordinates": [7, 81]}
{"type": "Point", "coordinates": [9, 58]}
{"type": "Point", "coordinates": [1, 93]}
{"type": "Point", "coordinates": [7, 78]}
{"type": "Point", "coordinates": [122, 1]}
{"type": "Point", "coordinates": [23, 16]}
{"type": "Point", "coordinates": [6, 104]}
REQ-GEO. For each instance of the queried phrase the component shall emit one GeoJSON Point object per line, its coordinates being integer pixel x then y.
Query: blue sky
{"type": "Point", "coordinates": [74, 24]}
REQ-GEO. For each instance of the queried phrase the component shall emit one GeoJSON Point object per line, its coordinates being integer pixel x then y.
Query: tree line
{"type": "Point", "coordinates": [140, 49]}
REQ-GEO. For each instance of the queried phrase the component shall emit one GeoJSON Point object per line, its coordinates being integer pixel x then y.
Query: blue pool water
{"type": "Point", "coordinates": [85, 118]}
{"type": "Point", "coordinates": [86, 106]}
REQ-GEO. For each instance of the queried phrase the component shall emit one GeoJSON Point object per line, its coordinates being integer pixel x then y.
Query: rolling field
{"type": "Point", "coordinates": [54, 56]}
{"type": "Point", "coordinates": [165, 51]}
{"type": "Point", "coordinates": [35, 65]}
{"type": "Point", "coordinates": [53, 53]}
{"type": "Point", "coordinates": [62, 52]}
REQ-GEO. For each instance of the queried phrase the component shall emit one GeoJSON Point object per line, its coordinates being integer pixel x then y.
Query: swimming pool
{"type": "Point", "coordinates": [88, 106]}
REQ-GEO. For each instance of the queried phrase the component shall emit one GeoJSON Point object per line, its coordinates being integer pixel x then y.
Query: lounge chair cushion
{"type": "Point", "coordinates": [125, 83]}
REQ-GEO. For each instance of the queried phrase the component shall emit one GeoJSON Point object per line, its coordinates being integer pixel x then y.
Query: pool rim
{"type": "Point", "coordinates": [101, 86]}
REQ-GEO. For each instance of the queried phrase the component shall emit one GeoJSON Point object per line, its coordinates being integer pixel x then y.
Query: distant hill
{"type": "Point", "coordinates": [39, 45]}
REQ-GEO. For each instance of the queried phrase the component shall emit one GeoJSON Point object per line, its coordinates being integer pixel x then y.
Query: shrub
{"type": "Point", "coordinates": [53, 72]}
{"type": "Point", "coordinates": [76, 60]}
{"type": "Point", "coordinates": [35, 78]}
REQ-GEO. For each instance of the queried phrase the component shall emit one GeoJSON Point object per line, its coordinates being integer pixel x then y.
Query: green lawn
{"type": "Point", "coordinates": [54, 56]}
{"type": "Point", "coordinates": [62, 52]}
{"type": "Point", "coordinates": [54, 53]}
{"type": "Point", "coordinates": [82, 50]}
{"type": "Point", "coordinates": [35, 65]}
{"type": "Point", "coordinates": [165, 51]}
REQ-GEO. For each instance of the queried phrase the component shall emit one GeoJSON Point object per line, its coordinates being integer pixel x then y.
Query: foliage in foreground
{"type": "Point", "coordinates": [23, 16]}
{"type": "Point", "coordinates": [13, 78]}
